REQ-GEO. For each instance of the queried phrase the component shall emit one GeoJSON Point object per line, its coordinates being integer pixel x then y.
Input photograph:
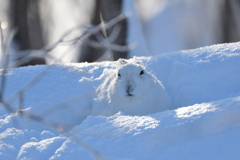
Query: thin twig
{"type": "Point", "coordinates": [83, 37]}
{"type": "Point", "coordinates": [115, 33]}
{"type": "Point", "coordinates": [21, 100]}
{"type": "Point", "coordinates": [55, 126]}
{"type": "Point", "coordinates": [20, 111]}
{"type": "Point", "coordinates": [2, 46]}
{"type": "Point", "coordinates": [31, 83]}
{"type": "Point", "coordinates": [5, 48]}
{"type": "Point", "coordinates": [86, 34]}
{"type": "Point", "coordinates": [64, 105]}
{"type": "Point", "coordinates": [97, 155]}
{"type": "Point", "coordinates": [99, 27]}
{"type": "Point", "coordinates": [116, 47]}
{"type": "Point", "coordinates": [3, 62]}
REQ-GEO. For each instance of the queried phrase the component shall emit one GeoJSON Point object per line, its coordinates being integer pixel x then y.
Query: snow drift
{"type": "Point", "coordinates": [203, 85]}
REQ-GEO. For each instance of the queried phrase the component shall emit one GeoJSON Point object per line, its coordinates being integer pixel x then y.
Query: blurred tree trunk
{"type": "Point", "coordinates": [106, 10]}
{"type": "Point", "coordinates": [111, 9]}
{"type": "Point", "coordinates": [25, 17]}
{"type": "Point", "coordinates": [20, 22]}
{"type": "Point", "coordinates": [229, 21]}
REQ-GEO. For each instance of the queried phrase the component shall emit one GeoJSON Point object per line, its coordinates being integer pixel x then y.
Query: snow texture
{"type": "Point", "coordinates": [203, 85]}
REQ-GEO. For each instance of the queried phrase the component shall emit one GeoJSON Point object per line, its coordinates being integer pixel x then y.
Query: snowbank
{"type": "Point", "coordinates": [203, 85]}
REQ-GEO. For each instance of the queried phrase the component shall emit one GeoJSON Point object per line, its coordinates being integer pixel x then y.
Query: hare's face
{"type": "Point", "coordinates": [130, 82]}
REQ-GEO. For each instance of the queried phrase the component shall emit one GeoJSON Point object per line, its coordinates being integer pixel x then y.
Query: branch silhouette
{"type": "Point", "coordinates": [30, 54]}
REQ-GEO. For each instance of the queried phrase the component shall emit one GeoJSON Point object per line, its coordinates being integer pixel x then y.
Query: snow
{"type": "Point", "coordinates": [203, 85]}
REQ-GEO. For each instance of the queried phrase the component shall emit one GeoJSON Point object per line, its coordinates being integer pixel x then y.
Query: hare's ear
{"type": "Point", "coordinates": [139, 63]}
{"type": "Point", "coordinates": [122, 62]}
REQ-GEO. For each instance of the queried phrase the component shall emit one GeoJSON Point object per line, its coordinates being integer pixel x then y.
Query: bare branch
{"type": "Point", "coordinates": [55, 126]}
{"type": "Point", "coordinates": [97, 155]}
{"type": "Point", "coordinates": [84, 38]}
{"type": "Point", "coordinates": [116, 47]}
{"type": "Point", "coordinates": [115, 33]}
{"type": "Point", "coordinates": [65, 104]}
{"type": "Point", "coordinates": [5, 48]}
{"type": "Point", "coordinates": [28, 55]}
{"type": "Point", "coordinates": [31, 83]}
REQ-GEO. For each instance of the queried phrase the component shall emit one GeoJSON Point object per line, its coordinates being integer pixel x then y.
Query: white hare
{"type": "Point", "coordinates": [131, 90]}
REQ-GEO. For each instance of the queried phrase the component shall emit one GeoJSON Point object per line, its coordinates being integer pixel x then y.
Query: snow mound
{"type": "Point", "coordinates": [184, 131]}
{"type": "Point", "coordinates": [203, 85]}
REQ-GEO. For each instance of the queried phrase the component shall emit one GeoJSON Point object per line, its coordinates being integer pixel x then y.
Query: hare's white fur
{"type": "Point", "coordinates": [131, 90]}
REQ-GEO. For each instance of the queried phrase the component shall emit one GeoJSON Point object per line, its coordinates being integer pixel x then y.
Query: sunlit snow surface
{"type": "Point", "coordinates": [203, 85]}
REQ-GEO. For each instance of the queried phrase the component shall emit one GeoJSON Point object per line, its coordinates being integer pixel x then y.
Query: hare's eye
{"type": "Point", "coordinates": [142, 72]}
{"type": "Point", "coordinates": [119, 75]}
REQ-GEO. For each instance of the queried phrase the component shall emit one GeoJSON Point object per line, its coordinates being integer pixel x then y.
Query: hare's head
{"type": "Point", "coordinates": [131, 80]}
{"type": "Point", "coordinates": [132, 90]}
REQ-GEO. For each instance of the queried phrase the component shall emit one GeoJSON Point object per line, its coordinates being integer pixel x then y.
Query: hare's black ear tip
{"type": "Point", "coordinates": [139, 62]}
{"type": "Point", "coordinates": [122, 61]}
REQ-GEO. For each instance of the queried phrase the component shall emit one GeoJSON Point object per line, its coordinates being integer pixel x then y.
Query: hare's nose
{"type": "Point", "coordinates": [129, 89]}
